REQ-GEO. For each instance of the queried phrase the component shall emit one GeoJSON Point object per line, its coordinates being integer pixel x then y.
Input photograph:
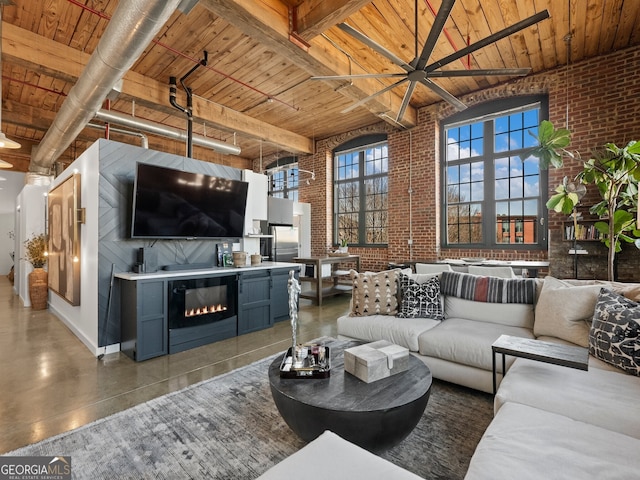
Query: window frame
{"type": "Point", "coordinates": [291, 183]}
{"type": "Point", "coordinates": [360, 145]}
{"type": "Point", "coordinates": [485, 113]}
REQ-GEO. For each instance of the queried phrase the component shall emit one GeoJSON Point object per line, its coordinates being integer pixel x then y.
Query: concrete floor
{"type": "Point", "coordinates": [51, 383]}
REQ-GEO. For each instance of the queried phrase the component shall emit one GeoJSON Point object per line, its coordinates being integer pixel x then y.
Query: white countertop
{"type": "Point", "coordinates": [205, 271]}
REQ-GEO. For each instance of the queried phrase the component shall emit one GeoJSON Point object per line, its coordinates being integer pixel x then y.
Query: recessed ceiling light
{"type": "Point", "coordinates": [4, 164]}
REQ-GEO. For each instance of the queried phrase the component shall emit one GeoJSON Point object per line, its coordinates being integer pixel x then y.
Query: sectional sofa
{"type": "Point", "coordinates": [550, 421]}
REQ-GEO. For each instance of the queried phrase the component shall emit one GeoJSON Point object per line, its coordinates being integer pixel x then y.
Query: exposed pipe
{"type": "Point", "coordinates": [132, 27]}
{"type": "Point", "coordinates": [165, 131]}
{"type": "Point", "coordinates": [189, 108]}
{"type": "Point", "coordinates": [144, 140]}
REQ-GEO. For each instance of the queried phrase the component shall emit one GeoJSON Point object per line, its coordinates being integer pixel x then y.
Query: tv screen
{"type": "Point", "coordinates": [169, 203]}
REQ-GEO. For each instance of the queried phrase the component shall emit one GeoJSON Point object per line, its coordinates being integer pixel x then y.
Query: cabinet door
{"type": "Point", "coordinates": [144, 328]}
{"type": "Point", "coordinates": [254, 302]}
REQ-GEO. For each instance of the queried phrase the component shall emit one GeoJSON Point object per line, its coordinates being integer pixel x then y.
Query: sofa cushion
{"type": "Point", "coordinates": [331, 457]}
{"type": "Point", "coordinates": [374, 293]}
{"type": "Point", "coordinates": [488, 289]}
{"type": "Point", "coordinates": [466, 341]}
{"type": "Point", "coordinates": [510, 314]}
{"type": "Point", "coordinates": [565, 311]}
{"type": "Point", "coordinates": [420, 299]}
{"type": "Point", "coordinates": [604, 398]}
{"type": "Point", "coordinates": [528, 443]}
{"type": "Point", "coordinates": [615, 330]}
{"type": "Point", "coordinates": [401, 331]}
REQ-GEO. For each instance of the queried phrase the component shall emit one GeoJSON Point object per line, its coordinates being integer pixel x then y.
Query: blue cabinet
{"type": "Point", "coordinates": [144, 327]}
{"type": "Point", "coordinates": [254, 301]}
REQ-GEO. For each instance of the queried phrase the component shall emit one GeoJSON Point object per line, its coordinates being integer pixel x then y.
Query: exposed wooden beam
{"type": "Point", "coordinates": [316, 16]}
{"type": "Point", "coordinates": [40, 54]}
{"type": "Point", "coordinates": [267, 22]}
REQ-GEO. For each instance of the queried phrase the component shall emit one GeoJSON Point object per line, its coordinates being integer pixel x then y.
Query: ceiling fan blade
{"type": "Point", "coordinates": [446, 96]}
{"type": "Point", "coordinates": [521, 25]}
{"type": "Point", "coordinates": [365, 75]}
{"type": "Point", "coordinates": [436, 30]}
{"type": "Point", "coordinates": [375, 46]}
{"type": "Point", "coordinates": [517, 72]}
{"type": "Point", "coordinates": [405, 100]}
{"type": "Point", "coordinates": [366, 99]}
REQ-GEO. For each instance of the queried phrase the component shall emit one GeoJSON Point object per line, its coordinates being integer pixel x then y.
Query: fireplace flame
{"type": "Point", "coordinates": [205, 310]}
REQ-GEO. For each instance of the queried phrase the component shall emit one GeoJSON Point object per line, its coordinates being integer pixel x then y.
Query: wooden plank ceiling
{"type": "Point", "coordinates": [256, 89]}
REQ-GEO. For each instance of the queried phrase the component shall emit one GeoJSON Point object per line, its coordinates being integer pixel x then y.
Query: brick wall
{"type": "Point", "coordinates": [603, 97]}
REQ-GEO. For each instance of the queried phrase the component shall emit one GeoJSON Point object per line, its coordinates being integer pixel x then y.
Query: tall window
{"type": "Point", "coordinates": [283, 181]}
{"type": "Point", "coordinates": [360, 191]}
{"type": "Point", "coordinates": [494, 191]}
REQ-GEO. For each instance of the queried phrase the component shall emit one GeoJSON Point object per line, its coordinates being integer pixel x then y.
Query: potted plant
{"type": "Point", "coordinates": [613, 170]}
{"type": "Point", "coordinates": [36, 255]}
{"type": "Point", "coordinates": [344, 245]}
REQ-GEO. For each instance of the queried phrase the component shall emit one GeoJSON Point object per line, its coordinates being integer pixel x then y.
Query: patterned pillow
{"type": "Point", "coordinates": [374, 293]}
{"type": "Point", "coordinates": [615, 331]}
{"type": "Point", "coordinates": [420, 300]}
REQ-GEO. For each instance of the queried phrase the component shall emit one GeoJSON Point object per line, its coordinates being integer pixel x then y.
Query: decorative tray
{"type": "Point", "coordinates": [338, 254]}
{"type": "Point", "coordinates": [315, 362]}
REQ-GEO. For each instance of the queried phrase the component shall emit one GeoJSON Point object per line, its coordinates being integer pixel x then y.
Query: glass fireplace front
{"type": "Point", "coordinates": [201, 301]}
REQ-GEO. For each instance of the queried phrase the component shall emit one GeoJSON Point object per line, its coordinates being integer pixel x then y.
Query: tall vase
{"type": "Point", "coordinates": [38, 289]}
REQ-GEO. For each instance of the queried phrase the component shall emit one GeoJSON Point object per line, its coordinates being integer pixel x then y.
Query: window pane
{"type": "Point", "coordinates": [502, 189]}
{"type": "Point", "coordinates": [513, 205]}
{"type": "Point", "coordinates": [362, 193]}
{"type": "Point", "coordinates": [477, 191]}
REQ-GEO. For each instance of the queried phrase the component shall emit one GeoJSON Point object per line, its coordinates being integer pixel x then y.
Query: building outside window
{"type": "Point", "coordinates": [361, 170]}
{"type": "Point", "coordinates": [494, 198]}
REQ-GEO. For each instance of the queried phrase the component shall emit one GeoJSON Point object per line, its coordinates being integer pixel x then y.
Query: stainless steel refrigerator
{"type": "Point", "coordinates": [284, 244]}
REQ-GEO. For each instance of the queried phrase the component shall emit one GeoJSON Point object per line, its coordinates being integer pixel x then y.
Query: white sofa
{"type": "Point", "coordinates": [550, 421]}
{"type": "Point", "coordinates": [456, 349]}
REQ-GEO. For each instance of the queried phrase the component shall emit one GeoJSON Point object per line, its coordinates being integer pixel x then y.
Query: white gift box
{"type": "Point", "coordinates": [376, 360]}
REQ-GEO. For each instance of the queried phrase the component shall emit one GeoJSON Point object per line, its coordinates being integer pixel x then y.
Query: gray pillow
{"type": "Point", "coordinates": [614, 336]}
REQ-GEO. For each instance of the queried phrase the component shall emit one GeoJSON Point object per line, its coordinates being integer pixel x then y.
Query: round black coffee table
{"type": "Point", "coordinates": [375, 415]}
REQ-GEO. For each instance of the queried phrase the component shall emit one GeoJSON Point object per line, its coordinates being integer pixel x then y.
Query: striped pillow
{"type": "Point", "coordinates": [488, 289]}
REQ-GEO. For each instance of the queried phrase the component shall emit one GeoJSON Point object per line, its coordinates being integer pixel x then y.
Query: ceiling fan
{"type": "Point", "coordinates": [418, 71]}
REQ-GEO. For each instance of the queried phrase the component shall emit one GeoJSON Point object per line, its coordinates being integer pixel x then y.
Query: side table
{"type": "Point", "coordinates": [547, 352]}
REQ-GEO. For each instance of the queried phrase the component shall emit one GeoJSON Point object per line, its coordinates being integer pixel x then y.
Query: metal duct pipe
{"type": "Point", "coordinates": [164, 131]}
{"type": "Point", "coordinates": [144, 140]}
{"type": "Point", "coordinates": [131, 28]}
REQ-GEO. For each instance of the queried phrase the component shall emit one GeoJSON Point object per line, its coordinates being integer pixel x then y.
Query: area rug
{"type": "Point", "coordinates": [229, 428]}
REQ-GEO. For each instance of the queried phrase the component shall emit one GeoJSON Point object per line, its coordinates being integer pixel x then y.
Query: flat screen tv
{"type": "Point", "coordinates": [169, 203]}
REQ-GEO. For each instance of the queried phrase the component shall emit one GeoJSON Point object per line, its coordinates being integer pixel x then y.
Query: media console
{"type": "Point", "coordinates": [167, 312]}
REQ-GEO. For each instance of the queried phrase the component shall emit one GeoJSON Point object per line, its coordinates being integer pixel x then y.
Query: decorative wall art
{"type": "Point", "coordinates": [65, 217]}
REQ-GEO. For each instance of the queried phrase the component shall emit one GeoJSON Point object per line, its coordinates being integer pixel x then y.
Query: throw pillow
{"type": "Point", "coordinates": [615, 332]}
{"type": "Point", "coordinates": [420, 299]}
{"type": "Point", "coordinates": [374, 293]}
{"type": "Point", "coordinates": [565, 311]}
{"type": "Point", "coordinates": [488, 289]}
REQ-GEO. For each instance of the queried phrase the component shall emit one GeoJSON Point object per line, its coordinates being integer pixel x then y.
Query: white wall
{"type": "Point", "coordinates": [7, 225]}
{"type": "Point", "coordinates": [83, 319]}
{"type": "Point", "coordinates": [31, 205]}
{"type": "Point", "coordinates": [11, 183]}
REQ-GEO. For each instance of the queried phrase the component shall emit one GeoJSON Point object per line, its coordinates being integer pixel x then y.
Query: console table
{"type": "Point", "coordinates": [547, 352]}
{"type": "Point", "coordinates": [318, 280]}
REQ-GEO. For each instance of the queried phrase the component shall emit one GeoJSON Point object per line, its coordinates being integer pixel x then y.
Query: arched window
{"type": "Point", "coordinates": [283, 178]}
{"type": "Point", "coordinates": [494, 192]}
{"type": "Point", "coordinates": [361, 188]}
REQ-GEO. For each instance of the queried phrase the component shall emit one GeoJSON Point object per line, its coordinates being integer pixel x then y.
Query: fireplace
{"type": "Point", "coordinates": [202, 301]}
